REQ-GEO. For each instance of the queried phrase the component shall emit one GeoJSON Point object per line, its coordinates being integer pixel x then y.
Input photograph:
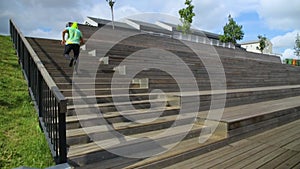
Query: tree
{"type": "Point", "coordinates": [232, 31]}
{"type": "Point", "coordinates": [186, 17]}
{"type": "Point", "coordinates": [262, 43]}
{"type": "Point", "coordinates": [111, 4]}
{"type": "Point", "coordinates": [297, 46]}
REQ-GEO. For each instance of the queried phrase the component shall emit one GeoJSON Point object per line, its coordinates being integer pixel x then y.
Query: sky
{"type": "Point", "coordinates": [278, 20]}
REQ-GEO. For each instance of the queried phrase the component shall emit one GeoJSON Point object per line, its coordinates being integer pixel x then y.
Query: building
{"type": "Point", "coordinates": [252, 46]}
{"type": "Point", "coordinates": [163, 29]}
{"type": "Point", "coordinates": [97, 22]}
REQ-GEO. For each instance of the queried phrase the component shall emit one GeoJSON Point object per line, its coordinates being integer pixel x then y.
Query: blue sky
{"type": "Point", "coordinates": [278, 20]}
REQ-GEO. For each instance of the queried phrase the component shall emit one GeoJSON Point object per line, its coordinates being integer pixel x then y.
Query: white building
{"type": "Point", "coordinates": [252, 46]}
{"type": "Point", "coordinates": [163, 29]}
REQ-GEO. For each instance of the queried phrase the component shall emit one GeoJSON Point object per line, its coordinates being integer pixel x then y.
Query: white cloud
{"type": "Point", "coordinates": [280, 14]}
{"type": "Point", "coordinates": [125, 11]}
{"type": "Point", "coordinates": [285, 41]}
{"type": "Point", "coordinates": [45, 34]}
{"type": "Point", "coordinates": [99, 10]}
{"type": "Point", "coordinates": [212, 15]}
{"type": "Point", "coordinates": [49, 4]}
{"type": "Point", "coordinates": [172, 8]}
{"type": "Point", "coordinates": [289, 53]}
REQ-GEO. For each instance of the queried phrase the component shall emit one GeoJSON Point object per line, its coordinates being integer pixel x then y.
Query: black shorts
{"type": "Point", "coordinates": [74, 47]}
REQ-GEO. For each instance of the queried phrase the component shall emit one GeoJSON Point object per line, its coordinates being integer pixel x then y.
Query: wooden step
{"type": "Point", "coordinates": [248, 111]}
{"type": "Point", "coordinates": [250, 119]}
{"type": "Point", "coordinates": [155, 123]}
{"type": "Point", "coordinates": [184, 149]}
{"type": "Point", "coordinates": [74, 120]}
{"type": "Point", "coordinates": [94, 105]}
{"type": "Point", "coordinates": [266, 154]}
{"type": "Point", "coordinates": [95, 153]}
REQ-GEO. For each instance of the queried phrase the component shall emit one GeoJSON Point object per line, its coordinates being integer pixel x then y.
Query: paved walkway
{"type": "Point", "coordinates": [276, 148]}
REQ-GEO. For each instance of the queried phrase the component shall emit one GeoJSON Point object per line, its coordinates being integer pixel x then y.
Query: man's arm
{"type": "Point", "coordinates": [81, 41]}
{"type": "Point", "coordinates": [63, 36]}
{"type": "Point", "coordinates": [81, 38]}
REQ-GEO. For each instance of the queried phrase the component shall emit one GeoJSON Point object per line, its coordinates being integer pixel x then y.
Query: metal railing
{"type": "Point", "coordinates": [51, 105]}
{"type": "Point", "coordinates": [203, 40]}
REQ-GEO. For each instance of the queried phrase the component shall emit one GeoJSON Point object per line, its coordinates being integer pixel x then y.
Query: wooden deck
{"type": "Point", "coordinates": [276, 148]}
{"type": "Point", "coordinates": [259, 96]}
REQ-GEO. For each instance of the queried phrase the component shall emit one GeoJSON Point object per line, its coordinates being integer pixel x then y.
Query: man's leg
{"type": "Point", "coordinates": [76, 54]}
{"type": "Point", "coordinates": [76, 50]}
{"type": "Point", "coordinates": [67, 51]}
{"type": "Point", "coordinates": [71, 62]}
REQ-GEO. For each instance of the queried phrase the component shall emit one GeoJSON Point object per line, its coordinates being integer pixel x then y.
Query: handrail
{"type": "Point", "coordinates": [49, 101]}
{"type": "Point", "coordinates": [48, 79]}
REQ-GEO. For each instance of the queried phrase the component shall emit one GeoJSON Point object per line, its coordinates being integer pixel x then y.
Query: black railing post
{"type": "Point", "coordinates": [22, 46]}
{"type": "Point", "coordinates": [17, 43]}
{"type": "Point", "coordinates": [62, 131]}
{"type": "Point", "coordinates": [40, 93]}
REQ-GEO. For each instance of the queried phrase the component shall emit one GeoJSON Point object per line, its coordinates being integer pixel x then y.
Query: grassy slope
{"type": "Point", "coordinates": [21, 141]}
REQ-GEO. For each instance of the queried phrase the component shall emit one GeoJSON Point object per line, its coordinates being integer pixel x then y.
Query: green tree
{"type": "Point", "coordinates": [232, 31]}
{"type": "Point", "coordinates": [262, 43]}
{"type": "Point", "coordinates": [186, 17]}
{"type": "Point", "coordinates": [297, 46]}
{"type": "Point", "coordinates": [111, 4]}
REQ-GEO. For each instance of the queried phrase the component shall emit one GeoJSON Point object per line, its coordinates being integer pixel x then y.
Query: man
{"type": "Point", "coordinates": [73, 42]}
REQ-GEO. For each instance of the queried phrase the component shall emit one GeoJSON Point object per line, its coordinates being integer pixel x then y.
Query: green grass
{"type": "Point", "coordinates": [22, 143]}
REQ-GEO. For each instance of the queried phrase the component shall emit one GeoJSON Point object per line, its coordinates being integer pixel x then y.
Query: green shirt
{"type": "Point", "coordinates": [74, 36]}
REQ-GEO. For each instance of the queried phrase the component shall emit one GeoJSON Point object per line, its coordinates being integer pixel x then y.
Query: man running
{"type": "Point", "coordinates": [73, 42]}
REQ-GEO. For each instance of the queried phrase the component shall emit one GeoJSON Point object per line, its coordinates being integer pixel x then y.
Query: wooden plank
{"type": "Point", "coordinates": [187, 163]}
{"type": "Point", "coordinates": [183, 94]}
{"type": "Point", "coordinates": [114, 163]}
{"type": "Point", "coordinates": [293, 161]}
{"type": "Point", "coordinates": [271, 156]}
{"type": "Point", "coordinates": [261, 108]}
{"type": "Point", "coordinates": [160, 120]}
{"type": "Point", "coordinates": [275, 140]}
{"type": "Point", "coordinates": [88, 115]}
{"type": "Point", "coordinates": [93, 89]}
{"type": "Point", "coordinates": [297, 166]}
{"type": "Point", "coordinates": [86, 130]}
{"type": "Point", "coordinates": [296, 147]}
{"type": "Point", "coordinates": [294, 144]}
{"type": "Point", "coordinates": [125, 125]}
{"type": "Point", "coordinates": [206, 155]}
{"type": "Point", "coordinates": [279, 160]}
{"type": "Point", "coordinates": [276, 105]}
{"type": "Point", "coordinates": [139, 111]}
{"type": "Point", "coordinates": [252, 126]}
{"type": "Point", "coordinates": [206, 163]}
{"type": "Point", "coordinates": [291, 139]}
{"type": "Point", "coordinates": [120, 103]}
{"type": "Point", "coordinates": [117, 126]}
{"type": "Point", "coordinates": [94, 146]}
{"type": "Point", "coordinates": [251, 157]}
{"type": "Point", "coordinates": [282, 129]}
{"type": "Point", "coordinates": [211, 157]}
{"type": "Point", "coordinates": [233, 158]}
{"type": "Point", "coordinates": [77, 118]}
{"type": "Point", "coordinates": [242, 112]}
{"type": "Point", "coordinates": [195, 93]}
{"type": "Point", "coordinates": [265, 159]}
{"type": "Point", "coordinates": [180, 150]}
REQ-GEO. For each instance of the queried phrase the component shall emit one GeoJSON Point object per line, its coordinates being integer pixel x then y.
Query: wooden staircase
{"type": "Point", "coordinates": [260, 95]}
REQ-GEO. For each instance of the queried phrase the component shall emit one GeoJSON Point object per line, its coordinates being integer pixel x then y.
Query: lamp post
{"type": "Point", "coordinates": [111, 4]}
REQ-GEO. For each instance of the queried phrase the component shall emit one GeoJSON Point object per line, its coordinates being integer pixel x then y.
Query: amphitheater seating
{"type": "Point", "coordinates": [261, 93]}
